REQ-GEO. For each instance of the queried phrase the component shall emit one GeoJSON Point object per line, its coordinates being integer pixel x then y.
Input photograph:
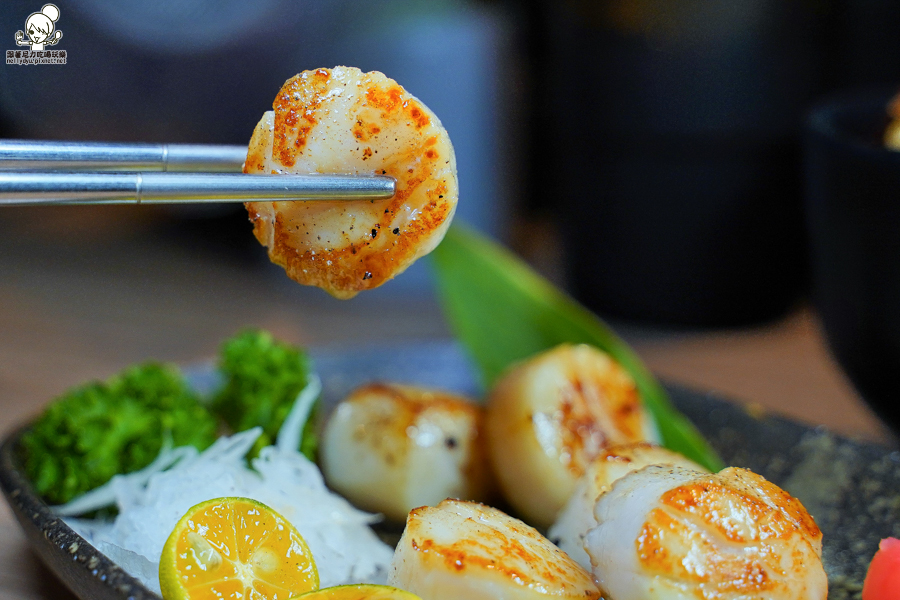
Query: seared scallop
{"type": "Point", "coordinates": [577, 517]}
{"type": "Point", "coordinates": [550, 416]}
{"type": "Point", "coordinates": [466, 550]}
{"type": "Point", "coordinates": [389, 448]}
{"type": "Point", "coordinates": [667, 533]}
{"type": "Point", "coordinates": [344, 121]}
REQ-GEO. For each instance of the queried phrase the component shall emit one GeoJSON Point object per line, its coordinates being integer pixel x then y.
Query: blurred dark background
{"type": "Point", "coordinates": [645, 153]}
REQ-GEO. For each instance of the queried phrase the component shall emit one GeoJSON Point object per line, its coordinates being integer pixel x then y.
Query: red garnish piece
{"type": "Point", "coordinates": [883, 579]}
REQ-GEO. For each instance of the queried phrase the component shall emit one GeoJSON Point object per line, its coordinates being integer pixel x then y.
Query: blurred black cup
{"type": "Point", "coordinates": [853, 215]}
{"type": "Point", "coordinates": [675, 154]}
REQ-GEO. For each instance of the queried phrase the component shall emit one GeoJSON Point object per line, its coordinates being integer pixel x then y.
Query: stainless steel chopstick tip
{"type": "Point", "coordinates": [36, 188]}
{"type": "Point", "coordinates": [42, 155]}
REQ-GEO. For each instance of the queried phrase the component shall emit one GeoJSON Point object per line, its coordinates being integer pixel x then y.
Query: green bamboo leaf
{"type": "Point", "coordinates": [504, 312]}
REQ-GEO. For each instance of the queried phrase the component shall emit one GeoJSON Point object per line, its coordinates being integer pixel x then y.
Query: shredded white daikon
{"type": "Point", "coordinates": [151, 502]}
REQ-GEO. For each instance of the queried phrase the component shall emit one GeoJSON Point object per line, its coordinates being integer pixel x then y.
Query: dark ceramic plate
{"type": "Point", "coordinates": [852, 489]}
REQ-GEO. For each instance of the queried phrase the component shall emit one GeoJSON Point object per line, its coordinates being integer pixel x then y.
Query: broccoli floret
{"type": "Point", "coordinates": [263, 377]}
{"type": "Point", "coordinates": [102, 429]}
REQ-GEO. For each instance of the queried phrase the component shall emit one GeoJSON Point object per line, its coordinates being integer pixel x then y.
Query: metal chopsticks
{"type": "Point", "coordinates": [34, 188]}
{"type": "Point", "coordinates": [31, 173]}
{"type": "Point", "coordinates": [115, 156]}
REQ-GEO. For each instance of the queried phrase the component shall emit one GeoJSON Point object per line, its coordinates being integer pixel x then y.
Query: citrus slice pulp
{"type": "Point", "coordinates": [235, 549]}
{"type": "Point", "coordinates": [363, 591]}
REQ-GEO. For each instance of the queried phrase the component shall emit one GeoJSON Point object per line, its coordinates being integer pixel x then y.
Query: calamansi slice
{"type": "Point", "coordinates": [363, 591]}
{"type": "Point", "coordinates": [235, 549]}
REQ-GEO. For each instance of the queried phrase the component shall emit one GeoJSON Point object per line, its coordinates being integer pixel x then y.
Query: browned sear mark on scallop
{"type": "Point", "coordinates": [365, 131]}
{"type": "Point", "coordinates": [418, 117]}
{"type": "Point", "coordinates": [290, 110]}
{"type": "Point", "coordinates": [386, 100]}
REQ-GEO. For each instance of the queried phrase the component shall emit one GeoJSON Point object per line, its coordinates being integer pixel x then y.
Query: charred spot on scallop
{"type": "Point", "coordinates": [344, 121]}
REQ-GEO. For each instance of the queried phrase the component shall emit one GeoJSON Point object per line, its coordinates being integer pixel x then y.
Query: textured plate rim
{"type": "Point", "coordinates": [61, 549]}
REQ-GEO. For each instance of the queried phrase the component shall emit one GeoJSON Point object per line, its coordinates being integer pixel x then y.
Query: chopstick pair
{"type": "Point", "coordinates": [43, 172]}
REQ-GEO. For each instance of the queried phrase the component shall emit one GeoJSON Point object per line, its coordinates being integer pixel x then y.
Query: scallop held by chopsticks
{"type": "Point", "coordinates": [344, 121]}
{"type": "Point", "coordinates": [467, 550]}
{"type": "Point", "coordinates": [673, 533]}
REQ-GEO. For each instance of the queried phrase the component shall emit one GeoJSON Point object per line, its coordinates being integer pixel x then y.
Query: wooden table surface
{"type": "Point", "coordinates": [85, 293]}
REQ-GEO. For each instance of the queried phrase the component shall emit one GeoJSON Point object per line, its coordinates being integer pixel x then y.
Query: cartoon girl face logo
{"type": "Point", "coordinates": [40, 28]}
